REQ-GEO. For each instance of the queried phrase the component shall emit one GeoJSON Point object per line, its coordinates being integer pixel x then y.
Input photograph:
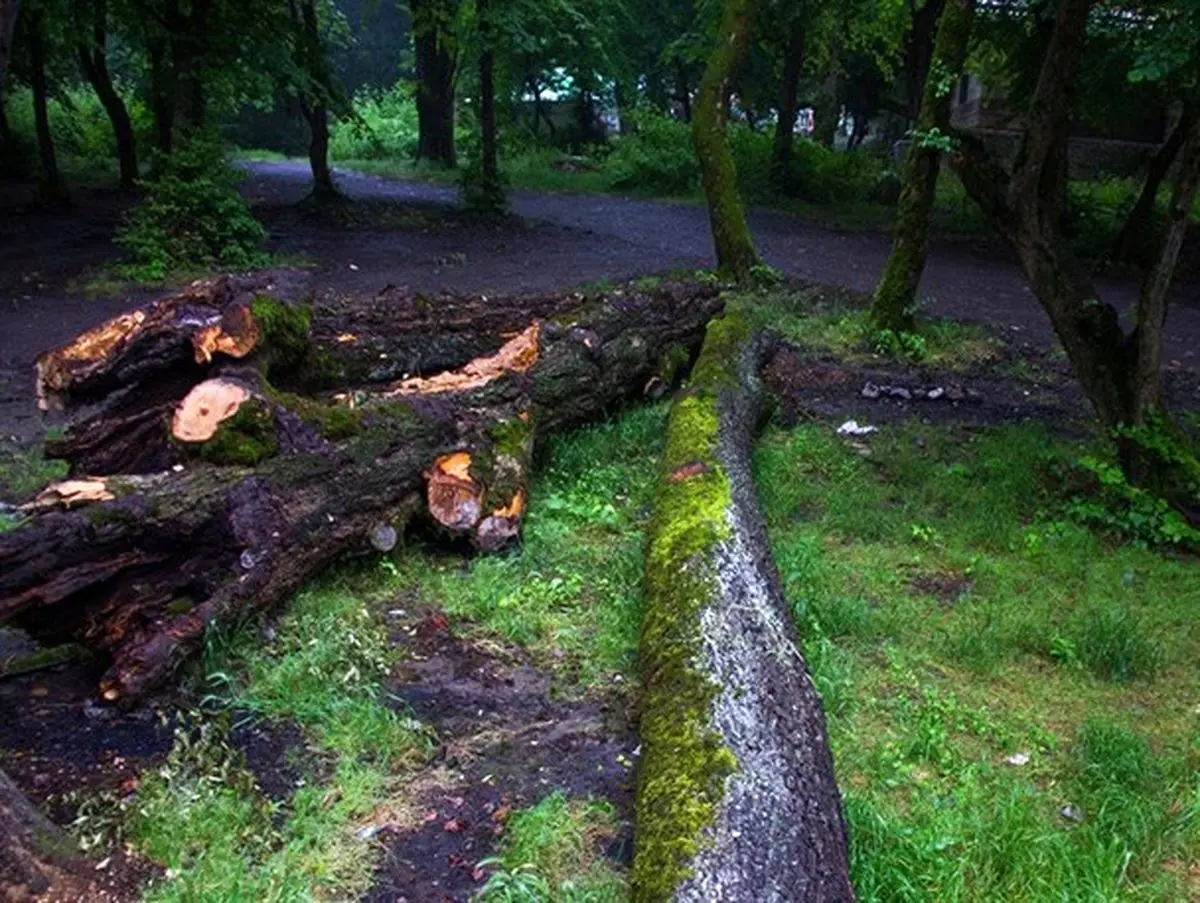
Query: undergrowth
{"type": "Point", "coordinates": [1010, 695]}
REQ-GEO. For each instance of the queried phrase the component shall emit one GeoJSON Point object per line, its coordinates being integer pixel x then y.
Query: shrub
{"type": "Point", "coordinates": [825, 176]}
{"type": "Point", "coordinates": [192, 218]}
{"type": "Point", "coordinates": [383, 126]}
{"type": "Point", "coordinates": [656, 158]}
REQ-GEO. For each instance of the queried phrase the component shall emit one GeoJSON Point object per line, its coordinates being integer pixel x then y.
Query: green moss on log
{"type": "Point", "coordinates": [288, 356]}
{"type": "Point", "coordinates": [246, 439]}
{"type": "Point", "coordinates": [685, 762]}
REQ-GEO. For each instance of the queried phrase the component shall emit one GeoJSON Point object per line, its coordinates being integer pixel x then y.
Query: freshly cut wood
{"type": "Point", "coordinates": [736, 794]}
{"type": "Point", "coordinates": [259, 488]}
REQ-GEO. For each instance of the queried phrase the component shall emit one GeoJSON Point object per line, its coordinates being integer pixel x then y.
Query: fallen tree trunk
{"type": "Point", "coordinates": [37, 860]}
{"type": "Point", "coordinates": [736, 795]}
{"type": "Point", "coordinates": [232, 492]}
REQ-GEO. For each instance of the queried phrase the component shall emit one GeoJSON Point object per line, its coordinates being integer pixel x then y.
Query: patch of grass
{"type": "Point", "coordinates": [573, 593]}
{"type": "Point", "coordinates": [1056, 644]}
{"type": "Point", "coordinates": [320, 667]}
{"type": "Point", "coordinates": [554, 851]}
{"type": "Point", "coordinates": [25, 470]}
{"type": "Point", "coordinates": [834, 321]}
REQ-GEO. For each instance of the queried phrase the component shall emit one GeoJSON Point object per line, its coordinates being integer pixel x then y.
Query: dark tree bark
{"type": "Point", "coordinates": [895, 303]}
{"type": "Point", "coordinates": [435, 64]}
{"type": "Point", "coordinates": [918, 51]}
{"type": "Point", "coordinates": [229, 487]}
{"type": "Point", "coordinates": [162, 93]}
{"type": "Point", "coordinates": [8, 25]}
{"type": "Point", "coordinates": [315, 109]}
{"type": "Point", "coordinates": [736, 795]}
{"type": "Point", "coordinates": [189, 33]}
{"type": "Point", "coordinates": [683, 91]}
{"type": "Point", "coordinates": [731, 237]}
{"type": "Point", "coordinates": [492, 191]}
{"type": "Point", "coordinates": [1119, 372]}
{"type": "Point", "coordinates": [37, 860]}
{"type": "Point", "coordinates": [51, 189]}
{"type": "Point", "coordinates": [1131, 245]}
{"type": "Point", "coordinates": [93, 60]}
{"type": "Point", "coordinates": [789, 106]}
{"type": "Point", "coordinates": [827, 115]}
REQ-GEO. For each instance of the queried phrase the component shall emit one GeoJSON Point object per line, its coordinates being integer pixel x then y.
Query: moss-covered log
{"type": "Point", "coordinates": [895, 303]}
{"type": "Point", "coordinates": [736, 794]}
{"type": "Point", "coordinates": [731, 236]}
{"type": "Point", "coordinates": [257, 488]}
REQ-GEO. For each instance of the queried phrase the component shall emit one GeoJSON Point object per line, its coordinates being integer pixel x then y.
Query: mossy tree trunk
{"type": "Point", "coordinates": [736, 795]}
{"type": "Point", "coordinates": [731, 236]}
{"type": "Point", "coordinates": [229, 484]}
{"type": "Point", "coordinates": [895, 302]}
{"type": "Point", "coordinates": [92, 18]}
{"type": "Point", "coordinates": [315, 107]}
{"type": "Point", "coordinates": [1120, 371]}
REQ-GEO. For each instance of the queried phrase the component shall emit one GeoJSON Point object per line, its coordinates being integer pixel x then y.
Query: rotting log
{"type": "Point", "coordinates": [254, 488]}
{"type": "Point", "coordinates": [736, 794]}
{"type": "Point", "coordinates": [37, 860]}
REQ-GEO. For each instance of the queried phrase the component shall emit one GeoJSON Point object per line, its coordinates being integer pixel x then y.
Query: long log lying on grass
{"type": "Point", "coordinates": [255, 489]}
{"type": "Point", "coordinates": [736, 793]}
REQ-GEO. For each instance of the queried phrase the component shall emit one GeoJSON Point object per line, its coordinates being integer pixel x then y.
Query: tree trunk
{"type": "Point", "coordinates": [492, 191]}
{"type": "Point", "coordinates": [731, 237]}
{"type": "Point", "coordinates": [8, 25]}
{"type": "Point", "coordinates": [228, 488]}
{"type": "Point", "coordinates": [435, 81]}
{"type": "Point", "coordinates": [789, 107]}
{"type": "Point", "coordinates": [918, 53]}
{"type": "Point", "coordinates": [93, 60]}
{"type": "Point", "coordinates": [188, 32]}
{"type": "Point", "coordinates": [1131, 245]}
{"type": "Point", "coordinates": [827, 115]}
{"type": "Point", "coordinates": [1119, 373]}
{"type": "Point", "coordinates": [683, 91]}
{"type": "Point", "coordinates": [162, 94]}
{"type": "Point", "coordinates": [37, 860]}
{"type": "Point", "coordinates": [316, 111]}
{"type": "Point", "coordinates": [895, 303]}
{"type": "Point", "coordinates": [51, 190]}
{"type": "Point", "coordinates": [736, 795]}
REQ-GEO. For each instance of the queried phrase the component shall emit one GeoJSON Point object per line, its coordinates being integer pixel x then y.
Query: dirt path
{"type": "Point", "coordinates": [558, 240]}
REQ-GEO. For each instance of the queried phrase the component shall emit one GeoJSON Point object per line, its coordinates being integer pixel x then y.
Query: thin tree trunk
{"type": "Point", "coordinates": [895, 302]}
{"type": "Point", "coordinates": [162, 94]}
{"type": "Point", "coordinates": [1131, 245]}
{"type": "Point", "coordinates": [919, 52]}
{"type": "Point", "coordinates": [93, 60]}
{"type": "Point", "coordinates": [789, 106]}
{"type": "Point", "coordinates": [683, 91]}
{"type": "Point", "coordinates": [493, 191]}
{"type": "Point", "coordinates": [827, 115]}
{"type": "Point", "coordinates": [51, 189]}
{"type": "Point", "coordinates": [316, 112]}
{"type": "Point", "coordinates": [731, 237]}
{"type": "Point", "coordinates": [435, 84]}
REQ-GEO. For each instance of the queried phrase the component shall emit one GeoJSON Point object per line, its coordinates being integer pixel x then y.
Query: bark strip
{"type": "Point", "coordinates": [736, 792]}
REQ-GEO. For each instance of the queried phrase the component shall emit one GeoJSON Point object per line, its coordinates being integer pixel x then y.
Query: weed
{"type": "Point", "coordinates": [553, 851]}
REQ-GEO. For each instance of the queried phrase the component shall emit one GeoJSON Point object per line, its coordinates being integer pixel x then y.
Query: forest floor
{"type": "Point", "coordinates": [1011, 684]}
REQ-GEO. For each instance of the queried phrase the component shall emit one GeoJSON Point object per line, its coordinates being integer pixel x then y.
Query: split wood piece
{"type": "Point", "coordinates": [38, 861]}
{"type": "Point", "coordinates": [736, 794]}
{"type": "Point", "coordinates": [277, 494]}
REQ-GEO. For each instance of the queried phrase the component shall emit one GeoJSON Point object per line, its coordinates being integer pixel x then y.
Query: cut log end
{"type": "Point", "coordinates": [236, 335]}
{"type": "Point", "coordinates": [205, 408]}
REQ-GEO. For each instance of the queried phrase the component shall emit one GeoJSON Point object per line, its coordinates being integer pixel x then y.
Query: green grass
{"type": "Point", "coordinates": [201, 815]}
{"type": "Point", "coordinates": [835, 322]}
{"type": "Point", "coordinates": [554, 852]}
{"type": "Point", "coordinates": [572, 594]}
{"type": "Point", "coordinates": [1056, 644]}
{"type": "Point", "coordinates": [24, 471]}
